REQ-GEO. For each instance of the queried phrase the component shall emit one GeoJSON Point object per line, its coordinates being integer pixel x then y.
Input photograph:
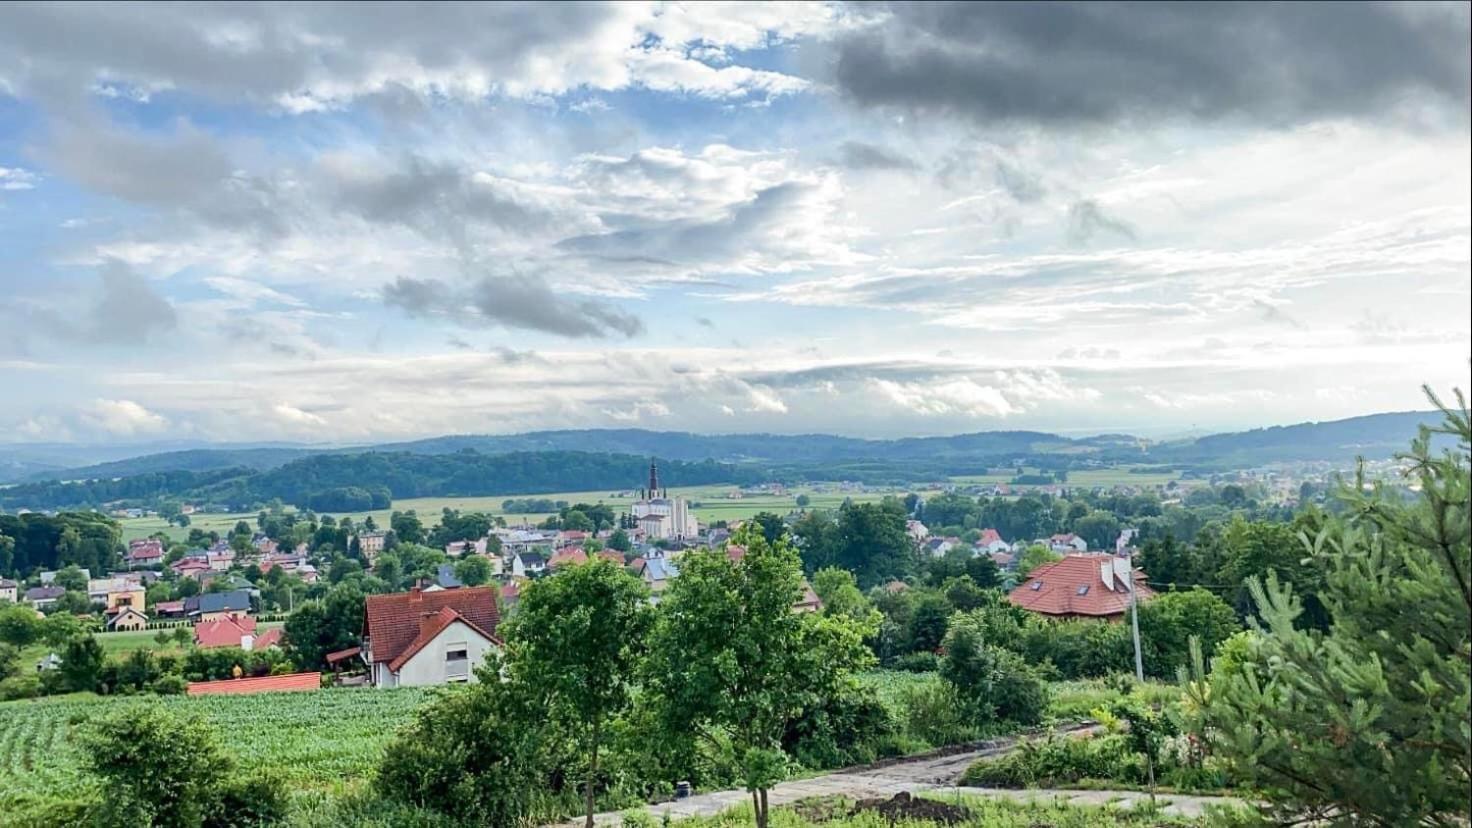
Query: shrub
{"type": "Point", "coordinates": [1061, 761]}
{"type": "Point", "coordinates": [922, 662]}
{"type": "Point", "coordinates": [850, 729]}
{"type": "Point", "coordinates": [474, 754]}
{"type": "Point", "coordinates": [935, 715]}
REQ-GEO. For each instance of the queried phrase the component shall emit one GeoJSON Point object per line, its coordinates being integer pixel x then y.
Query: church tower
{"type": "Point", "coordinates": [653, 481]}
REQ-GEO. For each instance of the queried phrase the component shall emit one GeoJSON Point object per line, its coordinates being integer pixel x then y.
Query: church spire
{"type": "Point", "coordinates": [653, 480]}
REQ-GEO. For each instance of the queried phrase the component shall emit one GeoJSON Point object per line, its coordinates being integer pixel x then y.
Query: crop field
{"type": "Point", "coordinates": [329, 739]}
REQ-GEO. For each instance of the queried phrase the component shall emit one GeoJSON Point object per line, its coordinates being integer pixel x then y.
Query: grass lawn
{"type": "Point", "coordinates": [122, 643]}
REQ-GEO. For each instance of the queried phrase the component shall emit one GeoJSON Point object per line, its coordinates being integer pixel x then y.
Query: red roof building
{"type": "Point", "coordinates": [398, 627]}
{"type": "Point", "coordinates": [568, 555]}
{"type": "Point", "coordinates": [291, 683]}
{"type": "Point", "coordinates": [229, 631]}
{"type": "Point", "coordinates": [1081, 586]}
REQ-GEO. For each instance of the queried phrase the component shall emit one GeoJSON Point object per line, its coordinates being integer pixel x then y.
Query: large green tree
{"type": "Point", "coordinates": [730, 662]}
{"type": "Point", "coordinates": [577, 639]}
{"type": "Point", "coordinates": [1365, 723]}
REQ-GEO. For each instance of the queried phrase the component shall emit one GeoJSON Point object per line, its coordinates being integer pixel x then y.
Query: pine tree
{"type": "Point", "coordinates": [1367, 723]}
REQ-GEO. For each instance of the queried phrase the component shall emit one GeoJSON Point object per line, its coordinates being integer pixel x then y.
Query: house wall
{"type": "Point", "coordinates": [212, 616]}
{"type": "Point", "coordinates": [428, 665]}
{"type": "Point", "coordinates": [132, 622]}
{"type": "Point", "coordinates": [126, 598]}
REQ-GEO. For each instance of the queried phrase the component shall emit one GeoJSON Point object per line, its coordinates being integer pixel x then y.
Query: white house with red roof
{"type": "Point", "coordinates": [991, 542]}
{"type": "Point", "coordinates": [1068, 543]}
{"type": "Point", "coordinates": [424, 638]}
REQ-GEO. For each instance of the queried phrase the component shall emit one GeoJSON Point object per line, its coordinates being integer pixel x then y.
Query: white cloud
{"type": "Point", "coordinates": [15, 178]}
{"type": "Point", "coordinates": [123, 418]}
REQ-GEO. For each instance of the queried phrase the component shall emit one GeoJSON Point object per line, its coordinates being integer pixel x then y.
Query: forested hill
{"type": "Point", "coordinates": [796, 457]}
{"type": "Point", "coordinates": [366, 480]}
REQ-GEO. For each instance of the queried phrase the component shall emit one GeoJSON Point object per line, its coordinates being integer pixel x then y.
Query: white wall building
{"type": "Point", "coordinates": [662, 517]}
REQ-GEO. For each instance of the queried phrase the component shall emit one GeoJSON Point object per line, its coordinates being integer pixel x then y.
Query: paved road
{"type": "Point", "coordinates": [936, 775]}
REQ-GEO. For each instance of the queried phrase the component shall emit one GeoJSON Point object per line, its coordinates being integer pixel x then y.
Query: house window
{"type": "Point", "coordinates": [457, 662]}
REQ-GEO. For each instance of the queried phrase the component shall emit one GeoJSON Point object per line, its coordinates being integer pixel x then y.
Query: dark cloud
{"type": "Point", "coordinates": [184, 170]}
{"type": "Point", "coordinates": [1086, 220]}
{"type": "Point", "coordinates": [438, 200]}
{"type": "Point", "coordinates": [857, 155]}
{"type": "Point", "coordinates": [517, 301]}
{"type": "Point", "coordinates": [1074, 63]}
{"type": "Point", "coordinates": [704, 322]}
{"type": "Point", "coordinates": [686, 242]}
{"type": "Point", "coordinates": [1273, 314]}
{"type": "Point", "coordinates": [128, 310]}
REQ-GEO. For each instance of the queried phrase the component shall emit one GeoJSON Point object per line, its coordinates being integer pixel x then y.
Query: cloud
{"type": "Point", "coordinates": [123, 418]}
{"type": "Point", "coordinates": [956, 396]}
{"type": "Point", "coordinates": [128, 310]}
{"type": "Point", "coordinates": [321, 56]}
{"type": "Point", "coordinates": [1068, 64]}
{"type": "Point", "coordinates": [857, 155]}
{"type": "Point", "coordinates": [704, 322]}
{"type": "Point", "coordinates": [1023, 186]}
{"type": "Point", "coordinates": [1086, 219]}
{"type": "Point", "coordinates": [15, 178]}
{"type": "Point", "coordinates": [516, 301]}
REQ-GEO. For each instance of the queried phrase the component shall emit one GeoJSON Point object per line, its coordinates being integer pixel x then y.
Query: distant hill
{"type": "Point", "coordinates": [1374, 436]}
{"type": "Point", "coordinates": [550, 461]}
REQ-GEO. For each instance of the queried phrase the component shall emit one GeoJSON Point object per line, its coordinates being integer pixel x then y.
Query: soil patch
{"type": "Point", "coordinates": [903, 806]}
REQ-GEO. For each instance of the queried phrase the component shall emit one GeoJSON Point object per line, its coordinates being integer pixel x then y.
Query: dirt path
{"type": "Point", "coordinates": [934, 774]}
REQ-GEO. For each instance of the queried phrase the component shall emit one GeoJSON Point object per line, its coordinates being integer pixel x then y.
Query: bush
{"type": "Point", "coordinates": [21, 686]}
{"type": "Point", "coordinates": [1015, 691]}
{"type": "Point", "coordinates": [474, 754]}
{"type": "Point", "coordinates": [170, 685]}
{"type": "Point", "coordinates": [918, 662]}
{"type": "Point", "coordinates": [1060, 762]}
{"type": "Point", "coordinates": [935, 715]}
{"type": "Point", "coordinates": [995, 683]}
{"type": "Point", "coordinates": [853, 728]}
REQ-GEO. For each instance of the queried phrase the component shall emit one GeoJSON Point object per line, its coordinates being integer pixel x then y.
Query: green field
{"type": "Point", "coordinates": [327, 741]}
{"type": "Point", "coordinates": [122, 643]}
{"type": "Point", "coordinates": [715, 502]}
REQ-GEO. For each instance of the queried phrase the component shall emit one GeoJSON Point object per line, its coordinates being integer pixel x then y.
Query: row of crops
{"type": "Point", "coordinates": [319, 740]}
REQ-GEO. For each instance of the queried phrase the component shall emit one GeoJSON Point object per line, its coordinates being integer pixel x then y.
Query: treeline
{"type": "Point", "coordinates": [57, 494]}
{"type": "Point", "coordinates": [371, 480]}
{"type": "Point", "coordinates": [35, 541]}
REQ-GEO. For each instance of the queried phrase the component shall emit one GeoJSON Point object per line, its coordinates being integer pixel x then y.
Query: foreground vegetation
{"type": "Point", "coordinates": [926, 811]}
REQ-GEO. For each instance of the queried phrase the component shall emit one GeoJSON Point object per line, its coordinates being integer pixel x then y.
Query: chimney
{"type": "Point", "coordinates": [415, 596]}
{"type": "Point", "coordinates": [1106, 574]}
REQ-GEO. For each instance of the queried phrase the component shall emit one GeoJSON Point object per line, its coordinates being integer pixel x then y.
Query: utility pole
{"type": "Point", "coordinates": [1140, 664]}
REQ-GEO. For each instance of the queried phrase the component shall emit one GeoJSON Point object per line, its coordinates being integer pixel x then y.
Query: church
{"type": "Point", "coordinates": [661, 517]}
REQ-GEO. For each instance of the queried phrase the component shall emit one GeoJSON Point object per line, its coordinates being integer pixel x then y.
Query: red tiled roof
{"type": "Point", "coordinates": [1053, 589]}
{"type": "Point", "coordinates": [292, 682]}
{"type": "Point", "coordinates": [613, 556]}
{"type": "Point", "coordinates": [268, 638]}
{"type": "Point", "coordinates": [343, 655]}
{"type": "Point", "coordinates": [392, 622]}
{"type": "Point", "coordinates": [568, 555]}
{"type": "Point", "coordinates": [735, 552]}
{"type": "Point", "coordinates": [429, 628]}
{"type": "Point", "coordinates": [990, 536]}
{"type": "Point", "coordinates": [169, 606]}
{"type": "Point", "coordinates": [223, 632]}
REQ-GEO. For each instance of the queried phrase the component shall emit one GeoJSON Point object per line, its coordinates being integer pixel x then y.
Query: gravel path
{"type": "Point", "coordinates": [934, 774]}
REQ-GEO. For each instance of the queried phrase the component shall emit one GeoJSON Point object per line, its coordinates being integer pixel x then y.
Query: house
{"type": "Point", "coordinates": [49, 577]}
{"type": "Point", "coordinates": [114, 593]}
{"type": "Point", "coordinates": [916, 530]}
{"type": "Point", "coordinates": [567, 555]}
{"type": "Point", "coordinates": [169, 609]}
{"type": "Point", "coordinates": [1005, 561]}
{"type": "Point", "coordinates": [44, 597]}
{"type": "Point", "coordinates": [809, 602]}
{"type": "Point", "coordinates": [423, 638]}
{"type": "Point", "coordinates": [457, 548]}
{"type": "Point", "coordinates": [991, 542]}
{"type": "Point", "coordinates": [1081, 586]}
{"type": "Point", "coordinates": [444, 577]}
{"type": "Point", "coordinates": [657, 573]}
{"type": "Point", "coordinates": [1122, 543]}
{"type": "Point", "coordinates": [144, 552]}
{"type": "Point", "coordinates": [525, 564]}
{"type": "Point", "coordinates": [214, 605]}
{"type": "Point", "coordinates": [1068, 543]}
{"type": "Point", "coordinates": [510, 594]}
{"type": "Point", "coordinates": [191, 567]}
{"type": "Point", "coordinates": [370, 544]}
{"type": "Point", "coordinates": [127, 618]}
{"type": "Point", "coordinates": [289, 683]}
{"type": "Point", "coordinates": [9, 590]}
{"type": "Point", "coordinates": [235, 631]}
{"type": "Point", "coordinates": [938, 547]}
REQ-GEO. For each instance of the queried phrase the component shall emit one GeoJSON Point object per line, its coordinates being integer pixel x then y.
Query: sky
{"type": "Point", "coordinates": [344, 223]}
